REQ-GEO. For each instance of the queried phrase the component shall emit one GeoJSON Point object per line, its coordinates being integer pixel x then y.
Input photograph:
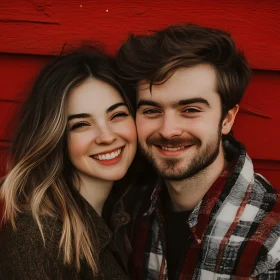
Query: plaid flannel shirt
{"type": "Point", "coordinates": [235, 229]}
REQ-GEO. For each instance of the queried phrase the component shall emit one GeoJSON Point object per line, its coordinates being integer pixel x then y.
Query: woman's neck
{"type": "Point", "coordinates": [94, 191]}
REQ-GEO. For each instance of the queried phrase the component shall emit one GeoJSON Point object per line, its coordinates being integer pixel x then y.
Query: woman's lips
{"type": "Point", "coordinates": [109, 158]}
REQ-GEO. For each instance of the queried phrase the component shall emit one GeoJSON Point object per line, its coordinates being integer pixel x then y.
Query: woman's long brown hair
{"type": "Point", "coordinates": [39, 174]}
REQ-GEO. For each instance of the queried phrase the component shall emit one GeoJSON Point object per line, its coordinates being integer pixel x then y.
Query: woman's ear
{"type": "Point", "coordinates": [229, 119]}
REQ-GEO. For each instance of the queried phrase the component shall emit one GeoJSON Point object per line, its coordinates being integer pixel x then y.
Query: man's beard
{"type": "Point", "coordinates": [200, 161]}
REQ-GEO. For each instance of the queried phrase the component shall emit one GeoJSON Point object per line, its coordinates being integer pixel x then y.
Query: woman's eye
{"type": "Point", "coordinates": [79, 125]}
{"type": "Point", "coordinates": [120, 114]}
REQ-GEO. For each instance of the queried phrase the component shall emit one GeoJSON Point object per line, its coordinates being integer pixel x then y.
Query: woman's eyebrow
{"type": "Point", "coordinates": [114, 106]}
{"type": "Point", "coordinates": [85, 115]}
{"type": "Point", "coordinates": [79, 116]}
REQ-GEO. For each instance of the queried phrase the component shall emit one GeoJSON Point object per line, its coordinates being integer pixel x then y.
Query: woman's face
{"type": "Point", "coordinates": [102, 135]}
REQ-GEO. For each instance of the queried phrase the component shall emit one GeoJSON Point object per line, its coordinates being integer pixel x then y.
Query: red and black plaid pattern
{"type": "Point", "coordinates": [235, 229]}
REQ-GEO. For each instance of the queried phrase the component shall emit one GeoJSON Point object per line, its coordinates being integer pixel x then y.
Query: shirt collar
{"type": "Point", "coordinates": [155, 196]}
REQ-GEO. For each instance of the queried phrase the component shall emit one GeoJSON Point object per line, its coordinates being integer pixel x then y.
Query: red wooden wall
{"type": "Point", "coordinates": [32, 31]}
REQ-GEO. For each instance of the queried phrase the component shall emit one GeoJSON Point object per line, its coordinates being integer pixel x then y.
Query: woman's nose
{"type": "Point", "coordinates": [105, 137]}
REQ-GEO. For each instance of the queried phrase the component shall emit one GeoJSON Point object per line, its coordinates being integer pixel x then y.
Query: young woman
{"type": "Point", "coordinates": [76, 136]}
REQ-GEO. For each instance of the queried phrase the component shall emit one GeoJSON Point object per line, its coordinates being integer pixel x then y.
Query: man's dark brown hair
{"type": "Point", "coordinates": [155, 57]}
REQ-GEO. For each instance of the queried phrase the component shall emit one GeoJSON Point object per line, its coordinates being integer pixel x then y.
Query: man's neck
{"type": "Point", "coordinates": [186, 194]}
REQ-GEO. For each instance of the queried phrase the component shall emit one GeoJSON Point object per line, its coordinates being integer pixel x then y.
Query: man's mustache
{"type": "Point", "coordinates": [178, 141]}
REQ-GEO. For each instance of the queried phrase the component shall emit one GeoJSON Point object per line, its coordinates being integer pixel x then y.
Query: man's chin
{"type": "Point", "coordinates": [169, 176]}
{"type": "Point", "coordinates": [170, 173]}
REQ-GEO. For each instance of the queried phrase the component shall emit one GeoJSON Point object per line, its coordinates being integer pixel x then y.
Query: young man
{"type": "Point", "coordinates": [208, 215]}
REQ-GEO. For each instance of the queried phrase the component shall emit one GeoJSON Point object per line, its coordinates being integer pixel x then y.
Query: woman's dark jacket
{"type": "Point", "coordinates": [23, 255]}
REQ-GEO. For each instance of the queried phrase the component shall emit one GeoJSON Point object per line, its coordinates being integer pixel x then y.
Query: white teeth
{"type": "Point", "coordinates": [172, 149]}
{"type": "Point", "coordinates": [108, 156]}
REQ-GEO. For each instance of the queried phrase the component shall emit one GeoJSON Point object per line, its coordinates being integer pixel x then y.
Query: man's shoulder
{"type": "Point", "coordinates": [265, 230]}
{"type": "Point", "coordinates": [246, 229]}
{"type": "Point", "coordinates": [264, 185]}
{"type": "Point", "coordinates": [259, 206]}
{"type": "Point", "coordinates": [257, 228]}
{"type": "Point", "coordinates": [266, 198]}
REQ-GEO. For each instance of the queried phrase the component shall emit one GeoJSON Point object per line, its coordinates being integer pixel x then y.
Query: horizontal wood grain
{"type": "Point", "coordinates": [17, 74]}
{"type": "Point", "coordinates": [270, 170]}
{"type": "Point", "coordinates": [45, 27]}
{"type": "Point", "coordinates": [8, 119]}
{"type": "Point", "coordinates": [257, 124]}
{"type": "Point", "coordinates": [3, 159]}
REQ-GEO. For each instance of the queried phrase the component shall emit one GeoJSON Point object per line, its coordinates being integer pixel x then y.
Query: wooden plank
{"type": "Point", "coordinates": [270, 170]}
{"type": "Point", "coordinates": [257, 124]}
{"type": "Point", "coordinates": [8, 118]}
{"type": "Point", "coordinates": [17, 74]}
{"type": "Point", "coordinates": [44, 27]}
{"type": "Point", "coordinates": [3, 158]}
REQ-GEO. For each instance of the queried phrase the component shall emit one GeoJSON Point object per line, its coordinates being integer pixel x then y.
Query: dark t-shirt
{"type": "Point", "coordinates": [177, 236]}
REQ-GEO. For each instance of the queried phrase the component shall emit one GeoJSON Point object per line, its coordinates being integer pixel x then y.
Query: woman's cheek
{"type": "Point", "coordinates": [131, 130]}
{"type": "Point", "coordinates": [78, 144]}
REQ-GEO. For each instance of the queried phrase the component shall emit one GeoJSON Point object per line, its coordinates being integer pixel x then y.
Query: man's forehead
{"type": "Point", "coordinates": [174, 99]}
{"type": "Point", "coordinates": [143, 85]}
{"type": "Point", "coordinates": [143, 90]}
{"type": "Point", "coordinates": [197, 81]}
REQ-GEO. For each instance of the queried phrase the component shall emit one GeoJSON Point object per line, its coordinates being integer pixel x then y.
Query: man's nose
{"type": "Point", "coordinates": [170, 126]}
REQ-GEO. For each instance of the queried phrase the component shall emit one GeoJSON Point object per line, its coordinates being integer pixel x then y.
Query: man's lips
{"type": "Point", "coordinates": [172, 150]}
{"type": "Point", "coordinates": [179, 146]}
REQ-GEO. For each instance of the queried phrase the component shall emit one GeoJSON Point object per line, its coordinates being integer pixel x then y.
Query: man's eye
{"type": "Point", "coordinates": [119, 114]}
{"type": "Point", "coordinates": [191, 110]}
{"type": "Point", "coordinates": [79, 125]}
{"type": "Point", "coordinates": [150, 112]}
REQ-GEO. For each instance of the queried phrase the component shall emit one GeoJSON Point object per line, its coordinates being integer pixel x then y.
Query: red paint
{"type": "Point", "coordinates": [45, 27]}
{"type": "Point", "coordinates": [259, 128]}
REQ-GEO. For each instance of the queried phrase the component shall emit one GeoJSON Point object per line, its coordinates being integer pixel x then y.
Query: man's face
{"type": "Point", "coordinates": [179, 124]}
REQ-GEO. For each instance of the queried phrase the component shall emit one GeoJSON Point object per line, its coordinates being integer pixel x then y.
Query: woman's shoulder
{"type": "Point", "coordinates": [27, 236]}
{"type": "Point", "coordinates": [24, 254]}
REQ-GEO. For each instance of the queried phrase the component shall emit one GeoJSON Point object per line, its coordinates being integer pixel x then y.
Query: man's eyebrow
{"type": "Point", "coordinates": [85, 115]}
{"type": "Point", "coordinates": [191, 101]}
{"type": "Point", "coordinates": [147, 102]}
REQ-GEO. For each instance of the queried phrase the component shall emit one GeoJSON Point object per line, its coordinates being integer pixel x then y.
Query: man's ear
{"type": "Point", "coordinates": [229, 119]}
